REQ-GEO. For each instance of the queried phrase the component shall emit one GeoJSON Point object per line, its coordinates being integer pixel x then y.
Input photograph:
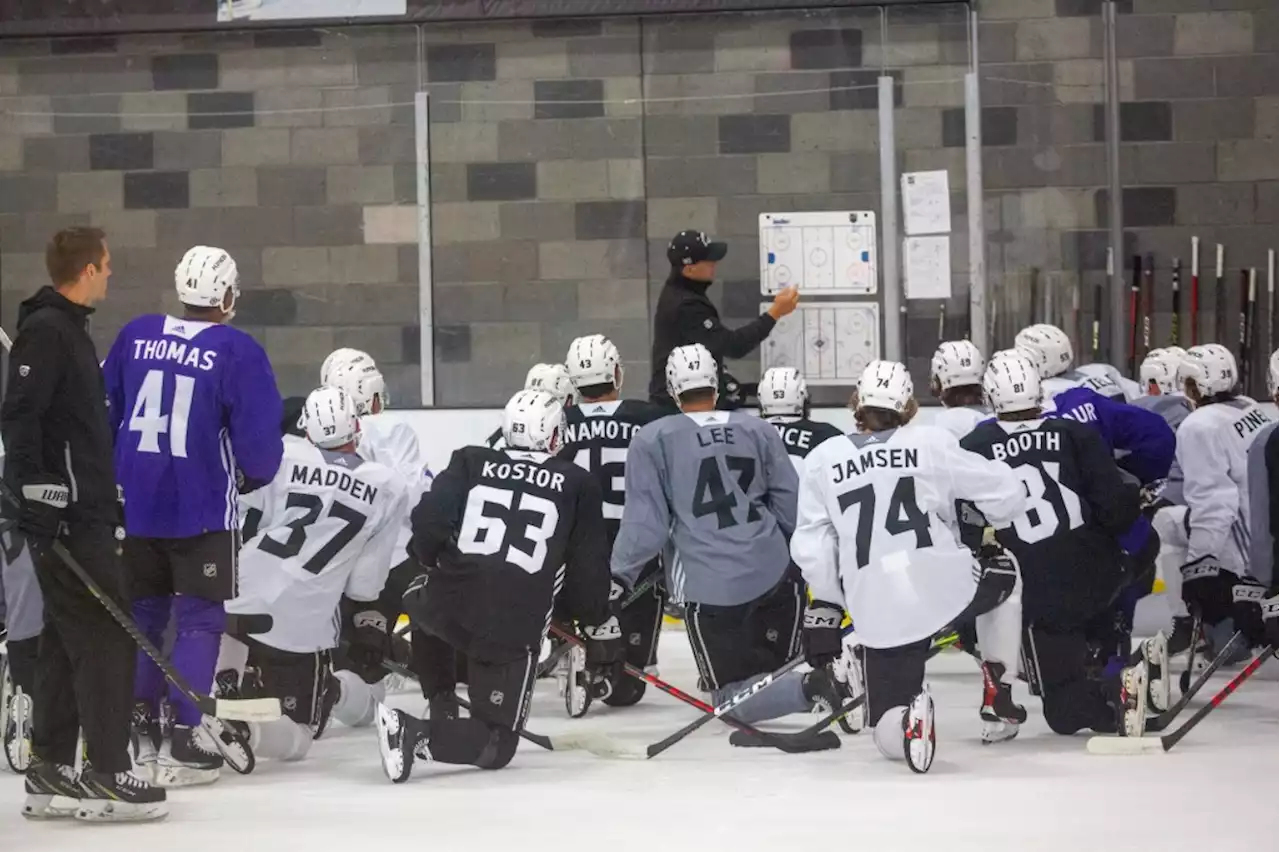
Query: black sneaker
{"type": "Point", "coordinates": [119, 797]}
{"type": "Point", "coordinates": [1000, 715]}
{"type": "Point", "coordinates": [46, 784]}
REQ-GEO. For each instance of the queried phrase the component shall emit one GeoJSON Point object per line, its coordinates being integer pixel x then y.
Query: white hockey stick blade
{"type": "Point", "coordinates": [247, 709]}
{"type": "Point", "coordinates": [599, 745]}
{"type": "Point", "coordinates": [1110, 745]}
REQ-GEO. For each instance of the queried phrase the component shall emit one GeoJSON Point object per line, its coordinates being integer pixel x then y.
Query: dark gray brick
{"type": "Point", "coordinates": [1149, 206]}
{"type": "Point", "coordinates": [411, 343]}
{"type": "Point", "coordinates": [999, 127]}
{"type": "Point", "coordinates": [1068, 165]}
{"type": "Point", "coordinates": [258, 226]}
{"type": "Point", "coordinates": [156, 191]}
{"type": "Point", "coordinates": [55, 154]}
{"type": "Point", "coordinates": [1168, 163]}
{"type": "Point", "coordinates": [194, 149]}
{"type": "Point", "coordinates": [860, 89]}
{"type": "Point", "coordinates": [207, 110]}
{"type": "Point", "coordinates": [1216, 204]}
{"type": "Point", "coordinates": [30, 232]}
{"type": "Point", "coordinates": [184, 71]}
{"type": "Point", "coordinates": [331, 225]}
{"type": "Point", "coordinates": [1144, 35]}
{"type": "Point", "coordinates": [121, 151]}
{"type": "Point", "coordinates": [272, 306]}
{"type": "Point", "coordinates": [404, 183]}
{"type": "Point", "coordinates": [1144, 121]}
{"type": "Point", "coordinates": [996, 43]}
{"type": "Point", "coordinates": [792, 91]}
{"type": "Point", "coordinates": [462, 303]}
{"type": "Point", "coordinates": [566, 27]}
{"type": "Point", "coordinates": [1088, 8]}
{"type": "Point", "coordinates": [292, 186]}
{"type": "Point", "coordinates": [287, 38]}
{"type": "Point", "coordinates": [1088, 249]}
{"type": "Point", "coordinates": [501, 181]}
{"type": "Point", "coordinates": [542, 301]}
{"type": "Point", "coordinates": [86, 114]}
{"type": "Point", "coordinates": [755, 134]}
{"type": "Point", "coordinates": [568, 98]}
{"type": "Point", "coordinates": [608, 56]}
{"type": "Point", "coordinates": [452, 343]}
{"type": "Point", "coordinates": [679, 50]}
{"type": "Point", "coordinates": [1245, 76]}
{"type": "Point", "coordinates": [680, 135]}
{"type": "Point", "coordinates": [1155, 79]}
{"type": "Point", "coordinates": [854, 172]}
{"type": "Point", "coordinates": [21, 193]}
{"type": "Point", "coordinates": [1266, 195]}
{"type": "Point", "coordinates": [457, 63]}
{"type": "Point", "coordinates": [829, 48]}
{"type": "Point", "coordinates": [1032, 83]}
{"type": "Point", "coordinates": [740, 299]}
{"type": "Point", "coordinates": [388, 64]}
{"type": "Point", "coordinates": [1219, 118]}
{"type": "Point", "coordinates": [82, 45]}
{"type": "Point", "coordinates": [609, 220]}
{"type": "Point", "coordinates": [383, 145]}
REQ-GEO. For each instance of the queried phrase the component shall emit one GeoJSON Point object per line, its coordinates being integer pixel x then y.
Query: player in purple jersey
{"type": "Point", "coordinates": [196, 416]}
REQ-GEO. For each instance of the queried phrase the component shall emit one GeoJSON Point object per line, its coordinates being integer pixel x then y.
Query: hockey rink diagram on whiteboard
{"type": "Point", "coordinates": [830, 342]}
{"type": "Point", "coordinates": [830, 253]}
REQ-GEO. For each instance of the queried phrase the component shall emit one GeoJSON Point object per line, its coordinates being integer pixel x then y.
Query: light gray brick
{"type": "Point", "coordinates": [950, 160]}
{"type": "Point", "coordinates": [540, 300]}
{"type": "Point", "coordinates": [153, 111]}
{"type": "Point", "coordinates": [179, 230]}
{"type": "Point", "coordinates": [906, 45]}
{"type": "Point", "coordinates": [670, 177]}
{"type": "Point", "coordinates": [669, 216]}
{"type": "Point", "coordinates": [782, 174]}
{"type": "Point", "coordinates": [196, 149]}
{"type": "Point", "coordinates": [383, 343]}
{"type": "Point", "coordinates": [357, 107]}
{"type": "Point", "coordinates": [256, 146]}
{"type": "Point", "coordinates": [507, 342]}
{"type": "Point", "coordinates": [89, 191]}
{"type": "Point", "coordinates": [576, 180]}
{"type": "Point", "coordinates": [604, 138]}
{"type": "Point", "coordinates": [623, 97]}
{"type": "Point", "coordinates": [917, 128]}
{"type": "Point", "coordinates": [10, 154]}
{"type": "Point", "coordinates": [535, 59]}
{"type": "Point", "coordinates": [793, 91]}
{"type": "Point", "coordinates": [1056, 207]}
{"type": "Point", "coordinates": [126, 228]}
{"type": "Point", "coordinates": [737, 216]}
{"type": "Point", "coordinates": [388, 223]}
{"type": "Point", "coordinates": [1144, 35]}
{"type": "Point", "coordinates": [933, 86]}
{"type": "Point", "coordinates": [1216, 204]}
{"type": "Point", "coordinates": [289, 107]}
{"type": "Point", "coordinates": [763, 47]}
{"type": "Point", "coordinates": [247, 70]}
{"type": "Point", "coordinates": [699, 94]}
{"type": "Point", "coordinates": [1211, 119]}
{"type": "Point", "coordinates": [1159, 79]}
{"type": "Point", "coordinates": [614, 299]}
{"type": "Point", "coordinates": [1162, 164]}
{"type": "Point", "coordinates": [574, 261]}
{"type": "Point", "coordinates": [376, 264]}
{"type": "Point", "coordinates": [604, 56]}
{"type": "Point", "coordinates": [464, 142]}
{"type": "Point", "coordinates": [536, 220]}
{"type": "Point", "coordinates": [1253, 159]}
{"type": "Point", "coordinates": [472, 384]}
{"type": "Point", "coordinates": [543, 139]}
{"type": "Point", "coordinates": [395, 63]}
{"type": "Point", "coordinates": [1213, 32]}
{"type": "Point", "coordinates": [30, 115]}
{"type": "Point", "coordinates": [299, 344]}
{"type": "Point", "coordinates": [387, 145]}
{"type": "Point", "coordinates": [502, 260]}
{"type": "Point", "coordinates": [250, 226]}
{"type": "Point", "coordinates": [996, 89]}
{"type": "Point", "coordinates": [296, 267]}
{"type": "Point", "coordinates": [465, 222]}
{"type": "Point", "coordinates": [333, 145]}
{"type": "Point", "coordinates": [845, 130]}
{"type": "Point", "coordinates": [53, 153]}
{"type": "Point", "coordinates": [497, 100]}
{"type": "Point", "coordinates": [685, 135]}
{"type": "Point", "coordinates": [19, 273]}
{"type": "Point", "coordinates": [320, 67]}
{"type": "Point", "coordinates": [857, 172]}
{"type": "Point", "coordinates": [224, 188]}
{"type": "Point", "coordinates": [1067, 165]}
{"type": "Point", "coordinates": [631, 338]}
{"type": "Point", "coordinates": [626, 178]}
{"type": "Point", "coordinates": [1079, 81]}
{"type": "Point", "coordinates": [448, 182]}
{"type": "Point", "coordinates": [1015, 9]}
{"type": "Point", "coordinates": [360, 184]}
{"type": "Point", "coordinates": [1054, 38]}
{"type": "Point", "coordinates": [677, 48]}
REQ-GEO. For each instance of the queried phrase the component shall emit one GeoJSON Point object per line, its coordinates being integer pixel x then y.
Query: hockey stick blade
{"type": "Point", "coordinates": [244, 709]}
{"type": "Point", "coordinates": [742, 739]}
{"type": "Point", "coordinates": [1112, 745]}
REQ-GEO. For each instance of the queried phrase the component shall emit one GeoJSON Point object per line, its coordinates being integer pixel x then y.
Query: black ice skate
{"type": "Point", "coordinates": [146, 737]}
{"type": "Point", "coordinates": [119, 797]}
{"type": "Point", "coordinates": [53, 791]}
{"type": "Point", "coordinates": [1131, 703]}
{"type": "Point", "coordinates": [1155, 656]}
{"type": "Point", "coordinates": [828, 694]}
{"type": "Point", "coordinates": [190, 759]}
{"type": "Point", "coordinates": [1001, 717]}
{"type": "Point", "coordinates": [332, 692]}
{"type": "Point", "coordinates": [571, 674]}
{"type": "Point", "coordinates": [15, 714]}
{"type": "Point", "coordinates": [918, 738]}
{"type": "Point", "coordinates": [231, 739]}
{"type": "Point", "coordinates": [398, 739]}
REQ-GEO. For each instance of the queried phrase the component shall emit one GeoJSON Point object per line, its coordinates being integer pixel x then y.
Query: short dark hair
{"type": "Point", "coordinates": [596, 391]}
{"type": "Point", "coordinates": [697, 395]}
{"type": "Point", "coordinates": [71, 250]}
{"type": "Point", "coordinates": [870, 419]}
{"type": "Point", "coordinates": [1024, 414]}
{"type": "Point", "coordinates": [959, 395]}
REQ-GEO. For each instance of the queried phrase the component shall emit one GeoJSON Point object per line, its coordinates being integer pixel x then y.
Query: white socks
{"type": "Point", "coordinates": [358, 702]}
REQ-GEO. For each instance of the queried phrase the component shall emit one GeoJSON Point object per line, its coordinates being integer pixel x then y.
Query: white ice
{"type": "Point", "coordinates": [1216, 791]}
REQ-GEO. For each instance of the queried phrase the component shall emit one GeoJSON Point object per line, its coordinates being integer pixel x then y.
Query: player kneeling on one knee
{"type": "Point", "coordinates": [498, 533]}
{"type": "Point", "coordinates": [875, 536]}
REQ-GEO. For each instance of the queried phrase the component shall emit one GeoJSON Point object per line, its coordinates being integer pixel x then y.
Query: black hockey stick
{"type": "Point", "coordinates": [744, 740]}
{"type": "Point", "coordinates": [241, 710]}
{"type": "Point", "coordinates": [1220, 298]}
{"type": "Point", "coordinates": [1134, 289]}
{"type": "Point", "coordinates": [1163, 720]}
{"type": "Point", "coordinates": [1242, 321]}
{"type": "Point", "coordinates": [1143, 745]}
{"type": "Point", "coordinates": [1175, 316]}
{"type": "Point", "coordinates": [1147, 305]}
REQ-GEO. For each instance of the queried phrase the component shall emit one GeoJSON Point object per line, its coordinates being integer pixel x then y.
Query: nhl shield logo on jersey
{"type": "Point", "coordinates": [289, 703]}
{"type": "Point", "coordinates": [24, 370]}
{"type": "Point", "coordinates": [708, 324]}
{"type": "Point", "coordinates": [211, 569]}
{"type": "Point", "coordinates": [496, 698]}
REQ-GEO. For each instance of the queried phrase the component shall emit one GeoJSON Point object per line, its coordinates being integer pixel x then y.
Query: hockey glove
{"type": "Point", "coordinates": [821, 635]}
{"type": "Point", "coordinates": [605, 655]}
{"type": "Point", "coordinates": [1270, 611]}
{"type": "Point", "coordinates": [42, 507]}
{"type": "Point", "coordinates": [368, 643]}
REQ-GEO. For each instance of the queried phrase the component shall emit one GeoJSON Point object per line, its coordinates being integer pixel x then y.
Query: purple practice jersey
{"type": "Point", "coordinates": [190, 403]}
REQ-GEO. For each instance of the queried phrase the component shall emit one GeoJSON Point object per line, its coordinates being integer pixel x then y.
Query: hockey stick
{"type": "Point", "coordinates": [1146, 745]}
{"type": "Point", "coordinates": [1146, 304]}
{"type": "Point", "coordinates": [1097, 310]}
{"type": "Point", "coordinates": [744, 740]}
{"type": "Point", "coordinates": [1220, 296]}
{"type": "Point", "coordinates": [1271, 300]}
{"type": "Point", "coordinates": [1175, 318]}
{"type": "Point", "coordinates": [1242, 331]}
{"type": "Point", "coordinates": [1195, 289]}
{"type": "Point", "coordinates": [1134, 287]}
{"type": "Point", "coordinates": [1163, 720]}
{"type": "Point", "coordinates": [1249, 316]}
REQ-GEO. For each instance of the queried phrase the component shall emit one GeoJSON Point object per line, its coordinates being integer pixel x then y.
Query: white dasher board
{"type": "Point", "coordinates": [829, 342]}
{"type": "Point", "coordinates": [824, 253]}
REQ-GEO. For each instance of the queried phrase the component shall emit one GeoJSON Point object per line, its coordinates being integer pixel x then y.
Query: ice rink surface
{"type": "Point", "coordinates": [1216, 791]}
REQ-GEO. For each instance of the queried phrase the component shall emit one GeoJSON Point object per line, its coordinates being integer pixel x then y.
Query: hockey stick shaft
{"type": "Point", "coordinates": [1242, 334]}
{"type": "Point", "coordinates": [1271, 300]}
{"type": "Point", "coordinates": [1163, 720]}
{"type": "Point", "coordinates": [1134, 287]}
{"type": "Point", "coordinates": [1175, 316]}
{"type": "Point", "coordinates": [1172, 739]}
{"type": "Point", "coordinates": [1220, 295]}
{"type": "Point", "coordinates": [1195, 289]}
{"type": "Point", "coordinates": [1148, 286]}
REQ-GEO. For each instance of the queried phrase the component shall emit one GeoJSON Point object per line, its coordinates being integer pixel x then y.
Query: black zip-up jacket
{"type": "Point", "coordinates": [54, 418]}
{"type": "Point", "coordinates": [684, 316]}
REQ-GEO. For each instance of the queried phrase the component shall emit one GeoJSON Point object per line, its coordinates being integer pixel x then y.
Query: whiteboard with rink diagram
{"type": "Point", "coordinates": [829, 342]}
{"type": "Point", "coordinates": [829, 253]}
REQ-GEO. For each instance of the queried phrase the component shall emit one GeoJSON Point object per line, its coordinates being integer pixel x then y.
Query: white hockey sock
{"type": "Point", "coordinates": [1000, 633]}
{"type": "Point", "coordinates": [358, 702]}
{"type": "Point", "coordinates": [232, 654]}
{"type": "Point", "coordinates": [1169, 525]}
{"type": "Point", "coordinates": [281, 739]}
{"type": "Point", "coordinates": [888, 734]}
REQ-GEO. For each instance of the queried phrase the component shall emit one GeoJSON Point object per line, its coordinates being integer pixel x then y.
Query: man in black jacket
{"type": "Point", "coordinates": [59, 460]}
{"type": "Point", "coordinates": [685, 315]}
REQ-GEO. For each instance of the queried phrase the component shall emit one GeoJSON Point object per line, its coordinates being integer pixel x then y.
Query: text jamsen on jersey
{"type": "Point", "coordinates": [530, 473]}
{"type": "Point", "coordinates": [1024, 442]}
{"type": "Point", "coordinates": [896, 457]}
{"type": "Point", "coordinates": [578, 433]}
{"type": "Point", "coordinates": [307, 475]}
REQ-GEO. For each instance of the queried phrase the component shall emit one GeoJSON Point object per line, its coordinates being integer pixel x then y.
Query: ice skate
{"type": "Point", "coordinates": [828, 694]}
{"type": "Point", "coordinates": [397, 742]}
{"type": "Point", "coordinates": [571, 675]}
{"type": "Point", "coordinates": [332, 692]}
{"type": "Point", "coordinates": [119, 797]}
{"type": "Point", "coordinates": [189, 760]}
{"type": "Point", "coordinates": [918, 739]}
{"type": "Point", "coordinates": [17, 731]}
{"type": "Point", "coordinates": [146, 738]}
{"type": "Point", "coordinates": [1155, 656]}
{"type": "Point", "coordinates": [231, 739]}
{"type": "Point", "coordinates": [1001, 717]}
{"type": "Point", "coordinates": [1131, 710]}
{"type": "Point", "coordinates": [848, 674]}
{"type": "Point", "coordinates": [53, 791]}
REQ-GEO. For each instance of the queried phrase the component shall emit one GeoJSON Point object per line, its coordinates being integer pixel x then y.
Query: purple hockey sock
{"type": "Point", "coordinates": [152, 616]}
{"type": "Point", "coordinates": [199, 624]}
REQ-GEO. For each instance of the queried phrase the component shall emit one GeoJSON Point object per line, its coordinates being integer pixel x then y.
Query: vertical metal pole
{"type": "Point", "coordinates": [426, 335]}
{"type": "Point", "coordinates": [890, 237]}
{"type": "Point", "coordinates": [973, 188]}
{"type": "Point", "coordinates": [1119, 308]}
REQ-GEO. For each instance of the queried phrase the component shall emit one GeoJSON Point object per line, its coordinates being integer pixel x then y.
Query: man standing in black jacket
{"type": "Point", "coordinates": [685, 315]}
{"type": "Point", "coordinates": [59, 460]}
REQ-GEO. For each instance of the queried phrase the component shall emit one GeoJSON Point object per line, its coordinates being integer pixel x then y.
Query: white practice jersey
{"type": "Point", "coordinates": [1213, 450]}
{"type": "Point", "coordinates": [962, 419]}
{"type": "Point", "coordinates": [323, 528]}
{"type": "Point", "coordinates": [1103, 378]}
{"type": "Point", "coordinates": [877, 519]}
{"type": "Point", "coordinates": [396, 446]}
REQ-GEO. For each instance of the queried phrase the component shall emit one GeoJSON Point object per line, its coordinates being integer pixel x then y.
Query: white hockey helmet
{"type": "Point", "coordinates": [690, 368]}
{"type": "Point", "coordinates": [552, 378]}
{"type": "Point", "coordinates": [956, 363]}
{"type": "Point", "coordinates": [203, 277]}
{"type": "Point", "coordinates": [1011, 382]}
{"type": "Point", "coordinates": [593, 360]}
{"type": "Point", "coordinates": [1048, 346]}
{"type": "Point", "coordinates": [885, 384]}
{"type": "Point", "coordinates": [782, 391]}
{"type": "Point", "coordinates": [361, 379]}
{"type": "Point", "coordinates": [1210, 367]}
{"type": "Point", "coordinates": [1273, 374]}
{"type": "Point", "coordinates": [533, 420]}
{"type": "Point", "coordinates": [1161, 366]}
{"type": "Point", "coordinates": [337, 357]}
{"type": "Point", "coordinates": [329, 418]}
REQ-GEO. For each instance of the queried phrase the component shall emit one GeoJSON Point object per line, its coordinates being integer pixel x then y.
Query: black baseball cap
{"type": "Point", "coordinates": [689, 247]}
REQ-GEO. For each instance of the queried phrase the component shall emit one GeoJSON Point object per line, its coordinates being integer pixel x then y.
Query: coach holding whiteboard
{"type": "Point", "coordinates": [685, 315]}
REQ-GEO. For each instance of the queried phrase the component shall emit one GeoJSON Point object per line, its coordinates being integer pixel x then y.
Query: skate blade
{"type": "Point", "coordinates": [998, 732]}
{"type": "Point", "coordinates": [109, 810]}
{"type": "Point", "coordinates": [396, 763]}
{"type": "Point", "coordinates": [1113, 745]}
{"type": "Point", "coordinates": [169, 777]}
{"type": "Point", "coordinates": [43, 806]}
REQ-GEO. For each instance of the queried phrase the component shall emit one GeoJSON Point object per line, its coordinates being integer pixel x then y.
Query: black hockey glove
{"type": "Point", "coordinates": [605, 655]}
{"type": "Point", "coordinates": [43, 504]}
{"type": "Point", "coordinates": [368, 642]}
{"type": "Point", "coordinates": [821, 635]}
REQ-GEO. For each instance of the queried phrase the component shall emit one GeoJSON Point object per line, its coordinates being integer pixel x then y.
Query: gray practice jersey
{"type": "Point", "coordinates": [21, 604]}
{"type": "Point", "coordinates": [1262, 496]}
{"type": "Point", "coordinates": [1174, 408]}
{"type": "Point", "coordinates": [719, 486]}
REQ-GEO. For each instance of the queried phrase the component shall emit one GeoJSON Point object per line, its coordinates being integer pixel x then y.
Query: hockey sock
{"type": "Point", "coordinates": [281, 739]}
{"type": "Point", "coordinates": [888, 733]}
{"type": "Point", "coordinates": [471, 742]}
{"type": "Point", "coordinates": [434, 662]}
{"type": "Point", "coordinates": [199, 624]}
{"type": "Point", "coordinates": [23, 654]}
{"type": "Point", "coordinates": [152, 616]}
{"type": "Point", "coordinates": [233, 655]}
{"type": "Point", "coordinates": [358, 701]}
{"type": "Point", "coordinates": [781, 698]}
{"type": "Point", "coordinates": [1000, 633]}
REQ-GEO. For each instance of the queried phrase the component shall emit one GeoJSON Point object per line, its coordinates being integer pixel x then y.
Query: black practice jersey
{"type": "Point", "coordinates": [801, 435]}
{"type": "Point", "coordinates": [501, 531]}
{"type": "Point", "coordinates": [597, 436]}
{"type": "Point", "coordinates": [1077, 504]}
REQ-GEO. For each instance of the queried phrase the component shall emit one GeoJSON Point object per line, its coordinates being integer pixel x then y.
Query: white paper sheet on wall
{"type": "Point", "coordinates": [926, 203]}
{"type": "Point", "coordinates": [927, 267]}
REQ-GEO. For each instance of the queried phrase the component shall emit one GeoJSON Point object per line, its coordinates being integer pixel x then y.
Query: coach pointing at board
{"type": "Point", "coordinates": [685, 315]}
